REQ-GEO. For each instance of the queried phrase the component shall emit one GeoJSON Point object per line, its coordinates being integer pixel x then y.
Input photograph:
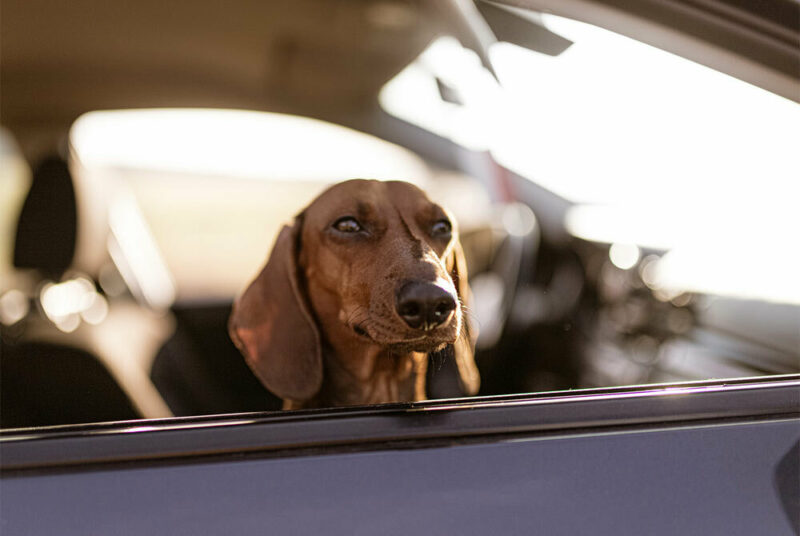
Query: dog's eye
{"type": "Point", "coordinates": [441, 229]}
{"type": "Point", "coordinates": [348, 224]}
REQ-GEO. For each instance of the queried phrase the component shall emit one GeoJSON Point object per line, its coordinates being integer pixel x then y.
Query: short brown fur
{"type": "Point", "coordinates": [319, 325]}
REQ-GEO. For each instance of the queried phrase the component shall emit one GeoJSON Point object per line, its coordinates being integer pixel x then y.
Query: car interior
{"type": "Point", "coordinates": [625, 222]}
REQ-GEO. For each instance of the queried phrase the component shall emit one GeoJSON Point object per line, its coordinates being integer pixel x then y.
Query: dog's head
{"type": "Point", "coordinates": [366, 264]}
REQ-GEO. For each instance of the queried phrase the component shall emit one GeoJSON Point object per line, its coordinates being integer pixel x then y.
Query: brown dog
{"type": "Point", "coordinates": [366, 283]}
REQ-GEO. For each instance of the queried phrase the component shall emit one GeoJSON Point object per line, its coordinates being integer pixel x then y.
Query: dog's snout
{"type": "Point", "coordinates": [425, 306]}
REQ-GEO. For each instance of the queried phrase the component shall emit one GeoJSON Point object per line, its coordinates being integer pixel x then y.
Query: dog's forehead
{"type": "Point", "coordinates": [361, 196]}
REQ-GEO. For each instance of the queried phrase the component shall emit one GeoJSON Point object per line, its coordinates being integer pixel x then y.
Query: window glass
{"type": "Point", "coordinates": [628, 216]}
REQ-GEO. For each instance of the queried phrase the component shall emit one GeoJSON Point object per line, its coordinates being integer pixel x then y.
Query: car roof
{"type": "Point", "coordinates": [317, 57]}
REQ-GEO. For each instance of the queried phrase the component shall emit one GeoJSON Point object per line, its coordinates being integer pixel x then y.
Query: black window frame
{"type": "Point", "coordinates": [411, 425]}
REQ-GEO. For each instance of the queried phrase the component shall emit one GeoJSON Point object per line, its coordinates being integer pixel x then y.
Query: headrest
{"type": "Point", "coordinates": [48, 221]}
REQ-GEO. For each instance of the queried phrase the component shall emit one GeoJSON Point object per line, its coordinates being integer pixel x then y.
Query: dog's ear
{"type": "Point", "coordinates": [464, 347]}
{"type": "Point", "coordinates": [272, 326]}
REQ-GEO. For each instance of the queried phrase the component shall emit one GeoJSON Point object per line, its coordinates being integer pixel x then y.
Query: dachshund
{"type": "Point", "coordinates": [367, 282]}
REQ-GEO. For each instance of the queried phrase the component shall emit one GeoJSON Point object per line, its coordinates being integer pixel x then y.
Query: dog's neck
{"type": "Point", "coordinates": [373, 377]}
{"type": "Point", "coordinates": [360, 373]}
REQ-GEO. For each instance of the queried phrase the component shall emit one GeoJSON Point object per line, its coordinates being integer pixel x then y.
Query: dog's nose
{"type": "Point", "coordinates": [425, 305]}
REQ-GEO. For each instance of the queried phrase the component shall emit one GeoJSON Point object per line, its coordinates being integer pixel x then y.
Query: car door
{"type": "Point", "coordinates": [700, 458]}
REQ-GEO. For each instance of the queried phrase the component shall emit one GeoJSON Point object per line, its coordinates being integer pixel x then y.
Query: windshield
{"type": "Point", "coordinates": [650, 149]}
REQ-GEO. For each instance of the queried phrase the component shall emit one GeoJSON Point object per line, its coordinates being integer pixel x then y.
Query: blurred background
{"type": "Point", "coordinates": [629, 216]}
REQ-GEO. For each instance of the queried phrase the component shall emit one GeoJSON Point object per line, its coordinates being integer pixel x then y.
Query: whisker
{"type": "Point", "coordinates": [473, 317]}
